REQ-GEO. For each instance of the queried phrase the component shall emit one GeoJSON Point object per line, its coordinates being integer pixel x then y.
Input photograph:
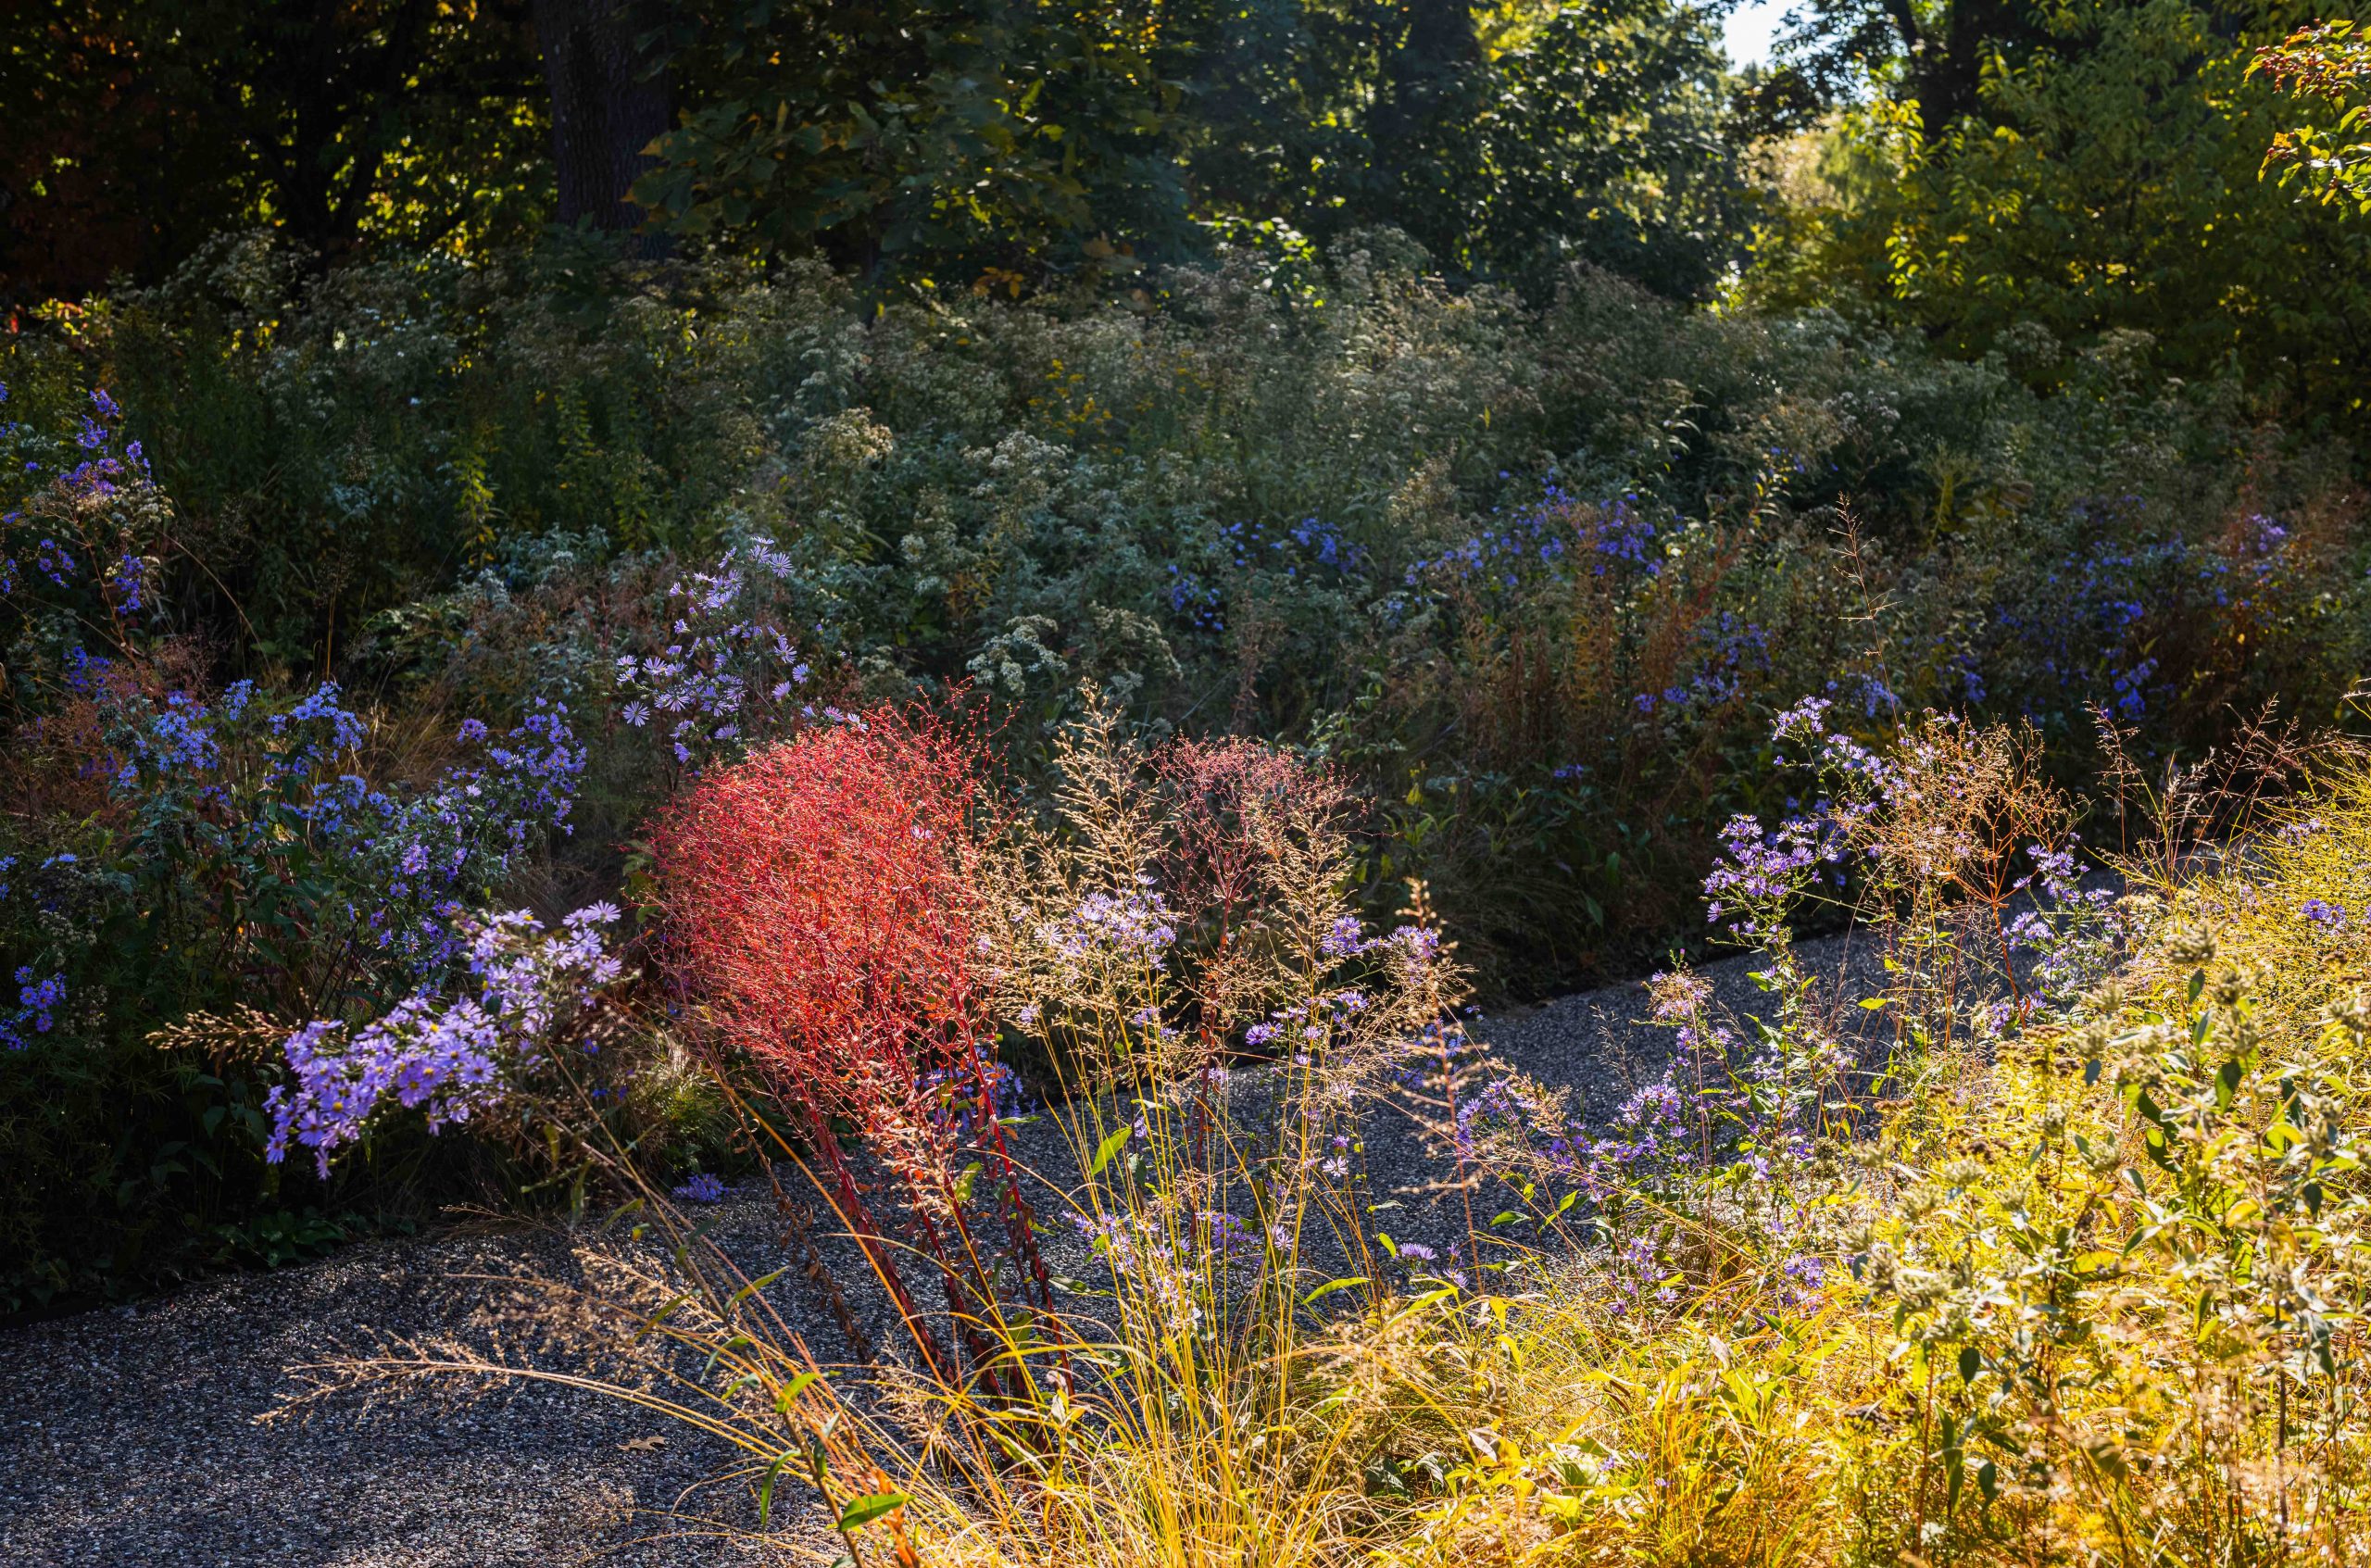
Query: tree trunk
{"type": "Point", "coordinates": [609, 101]}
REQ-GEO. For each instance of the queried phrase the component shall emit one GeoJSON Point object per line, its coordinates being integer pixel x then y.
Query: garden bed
{"type": "Point", "coordinates": [129, 1434]}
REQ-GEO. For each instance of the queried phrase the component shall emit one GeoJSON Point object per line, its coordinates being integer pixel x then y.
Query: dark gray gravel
{"type": "Point", "coordinates": [127, 1437]}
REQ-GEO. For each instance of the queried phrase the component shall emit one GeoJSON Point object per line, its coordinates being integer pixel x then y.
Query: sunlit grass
{"type": "Point", "coordinates": [2077, 1281]}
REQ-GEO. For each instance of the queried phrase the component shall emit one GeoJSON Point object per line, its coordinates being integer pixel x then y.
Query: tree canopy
{"type": "Point", "coordinates": [1977, 171]}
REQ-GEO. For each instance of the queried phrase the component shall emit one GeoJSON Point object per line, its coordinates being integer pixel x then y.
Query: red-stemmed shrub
{"type": "Point", "coordinates": [823, 910]}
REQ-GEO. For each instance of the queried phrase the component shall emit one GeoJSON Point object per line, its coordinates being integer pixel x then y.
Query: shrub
{"type": "Point", "coordinates": [196, 869]}
{"type": "Point", "coordinates": [823, 913]}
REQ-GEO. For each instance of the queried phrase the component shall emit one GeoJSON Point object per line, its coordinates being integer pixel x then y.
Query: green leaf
{"type": "Point", "coordinates": [871, 1506]}
{"type": "Point", "coordinates": [663, 1314]}
{"type": "Point", "coordinates": [753, 1287]}
{"type": "Point", "coordinates": [1107, 1148]}
{"type": "Point", "coordinates": [766, 1488]}
{"type": "Point", "coordinates": [1329, 1287]}
{"type": "Point", "coordinates": [791, 1391]}
{"type": "Point", "coordinates": [1971, 1362]}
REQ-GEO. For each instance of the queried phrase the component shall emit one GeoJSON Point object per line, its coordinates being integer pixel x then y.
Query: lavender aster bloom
{"type": "Point", "coordinates": [700, 1188]}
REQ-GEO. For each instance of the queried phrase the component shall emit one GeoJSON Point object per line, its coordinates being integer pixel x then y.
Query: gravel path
{"type": "Point", "coordinates": [128, 1436]}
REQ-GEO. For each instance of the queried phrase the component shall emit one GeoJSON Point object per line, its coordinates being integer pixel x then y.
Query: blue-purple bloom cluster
{"type": "Point", "coordinates": [1731, 649]}
{"type": "Point", "coordinates": [1508, 1111]}
{"type": "Point", "coordinates": [1131, 927]}
{"type": "Point", "coordinates": [2074, 932]}
{"type": "Point", "coordinates": [1307, 551]}
{"type": "Point", "coordinates": [1201, 605]}
{"type": "Point", "coordinates": [1557, 539]}
{"type": "Point", "coordinates": [452, 1058]}
{"type": "Point", "coordinates": [1310, 1023]}
{"type": "Point", "coordinates": [954, 1094]}
{"type": "Point", "coordinates": [1138, 1245]}
{"type": "Point", "coordinates": [1346, 938]}
{"type": "Point", "coordinates": [34, 548]}
{"type": "Point", "coordinates": [253, 781]}
{"type": "Point", "coordinates": [728, 675]}
{"type": "Point", "coordinates": [38, 1000]}
{"type": "Point", "coordinates": [1761, 870]}
{"type": "Point", "coordinates": [700, 1188]}
{"type": "Point", "coordinates": [2093, 617]}
{"type": "Point", "coordinates": [1310, 541]}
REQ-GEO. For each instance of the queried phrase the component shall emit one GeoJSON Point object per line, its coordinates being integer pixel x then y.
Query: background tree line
{"type": "Point", "coordinates": [1967, 166]}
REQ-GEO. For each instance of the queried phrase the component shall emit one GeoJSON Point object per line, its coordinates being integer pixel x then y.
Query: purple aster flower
{"type": "Point", "coordinates": [700, 1188]}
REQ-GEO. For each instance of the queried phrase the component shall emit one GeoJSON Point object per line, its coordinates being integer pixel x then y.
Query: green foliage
{"type": "Point", "coordinates": [1262, 498]}
{"type": "Point", "coordinates": [145, 129]}
{"type": "Point", "coordinates": [2331, 63]}
{"type": "Point", "coordinates": [1506, 144]}
{"type": "Point", "coordinates": [925, 133]}
{"type": "Point", "coordinates": [966, 139]}
{"type": "Point", "coordinates": [963, 139]}
{"type": "Point", "coordinates": [2103, 179]}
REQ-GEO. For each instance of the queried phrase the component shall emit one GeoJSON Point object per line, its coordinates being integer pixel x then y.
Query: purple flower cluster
{"type": "Point", "coordinates": [37, 1003]}
{"type": "Point", "coordinates": [1807, 720]}
{"type": "Point", "coordinates": [1312, 1022]}
{"type": "Point", "coordinates": [421, 1053]}
{"type": "Point", "coordinates": [1304, 552]}
{"type": "Point", "coordinates": [1203, 605]}
{"type": "Point", "coordinates": [1709, 1111]}
{"type": "Point", "coordinates": [1111, 1235]}
{"type": "Point", "coordinates": [1732, 649]}
{"type": "Point", "coordinates": [451, 1058]}
{"type": "Point", "coordinates": [2088, 622]}
{"type": "Point", "coordinates": [285, 756]}
{"type": "Point", "coordinates": [727, 674]}
{"type": "Point", "coordinates": [2071, 929]}
{"type": "Point", "coordinates": [122, 581]}
{"type": "Point", "coordinates": [1228, 1237]}
{"type": "Point", "coordinates": [1763, 870]}
{"type": "Point", "coordinates": [256, 781]}
{"type": "Point", "coordinates": [1346, 938]}
{"type": "Point", "coordinates": [428, 853]}
{"type": "Point", "coordinates": [700, 1188]}
{"type": "Point", "coordinates": [1310, 541]}
{"type": "Point", "coordinates": [955, 1094]}
{"type": "Point", "coordinates": [1422, 1261]}
{"type": "Point", "coordinates": [1138, 1244]}
{"type": "Point", "coordinates": [1502, 1110]}
{"type": "Point", "coordinates": [1556, 540]}
{"type": "Point", "coordinates": [1134, 927]}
